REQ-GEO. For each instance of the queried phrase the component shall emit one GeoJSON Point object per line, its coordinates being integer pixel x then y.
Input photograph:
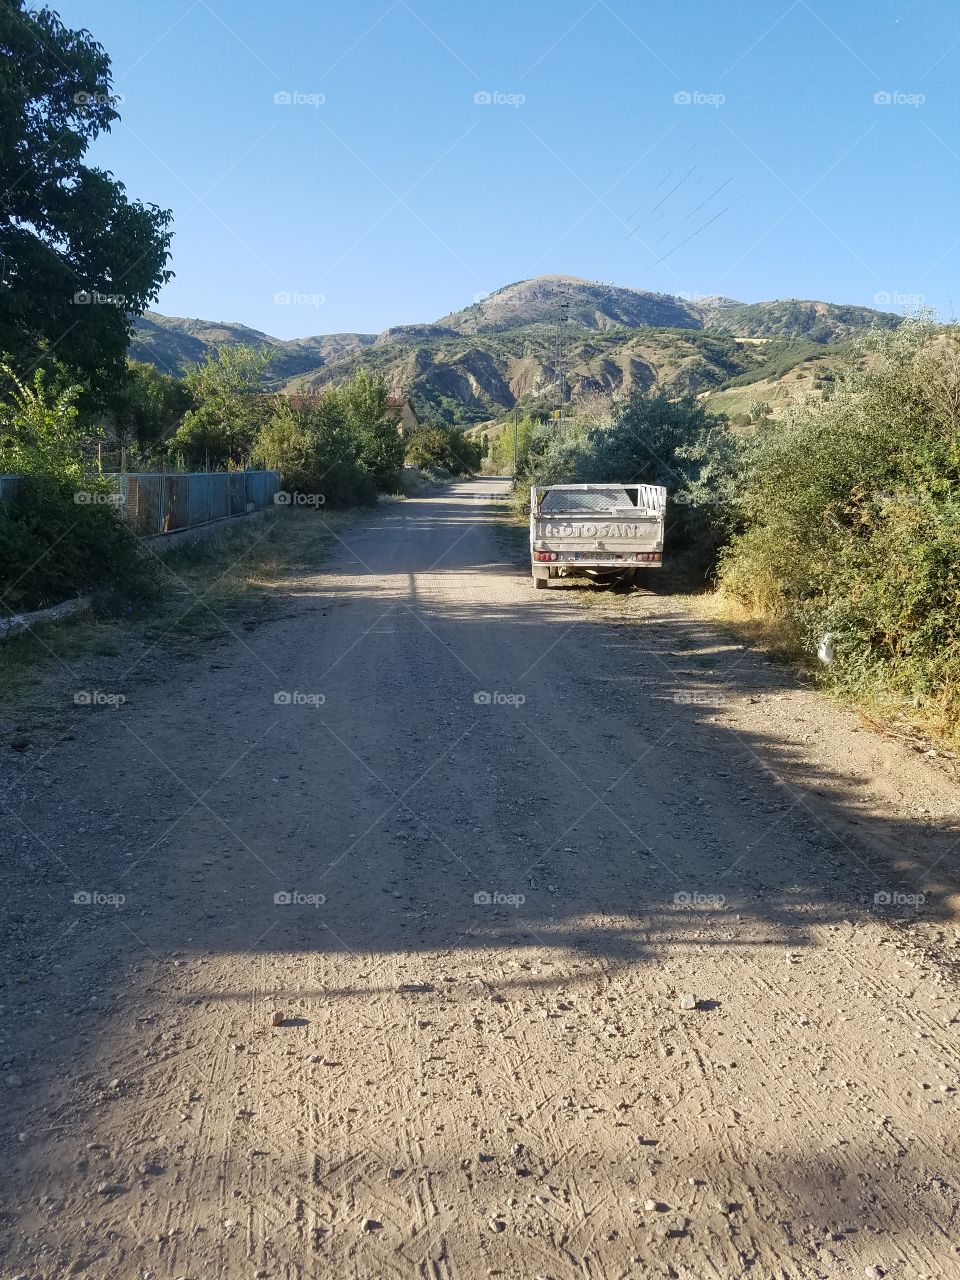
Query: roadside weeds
{"type": "Point", "coordinates": [770, 639]}
{"type": "Point", "coordinates": [232, 577]}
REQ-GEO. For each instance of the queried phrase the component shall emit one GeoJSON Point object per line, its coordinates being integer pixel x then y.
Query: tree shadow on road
{"type": "Point", "coordinates": [551, 807]}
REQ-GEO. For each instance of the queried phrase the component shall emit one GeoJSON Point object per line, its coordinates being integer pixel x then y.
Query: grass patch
{"type": "Point", "coordinates": [779, 640]}
{"type": "Point", "coordinates": [231, 581]}
{"type": "Point", "coordinates": [774, 636]}
{"type": "Point", "coordinates": [512, 532]}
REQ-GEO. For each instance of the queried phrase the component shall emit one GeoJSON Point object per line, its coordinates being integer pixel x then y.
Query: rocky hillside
{"type": "Point", "coordinates": [173, 344]}
{"type": "Point", "coordinates": [540, 340]}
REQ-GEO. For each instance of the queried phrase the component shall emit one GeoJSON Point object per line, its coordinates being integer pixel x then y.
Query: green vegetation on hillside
{"type": "Point", "coordinates": [816, 321]}
{"type": "Point", "coordinates": [778, 358]}
{"type": "Point", "coordinates": [502, 351]}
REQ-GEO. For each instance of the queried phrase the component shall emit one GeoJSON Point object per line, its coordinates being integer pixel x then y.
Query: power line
{"type": "Point", "coordinates": [696, 233]}
{"type": "Point", "coordinates": [709, 198]}
{"type": "Point", "coordinates": [673, 189]}
{"type": "Point", "coordinates": [665, 198]}
{"type": "Point", "coordinates": [697, 209]}
{"type": "Point", "coordinates": [666, 176]}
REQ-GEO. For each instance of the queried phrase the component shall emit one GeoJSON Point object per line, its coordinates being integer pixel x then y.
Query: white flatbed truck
{"type": "Point", "coordinates": [606, 532]}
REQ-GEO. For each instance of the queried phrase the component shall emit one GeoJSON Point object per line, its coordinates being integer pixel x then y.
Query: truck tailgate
{"type": "Point", "coordinates": [620, 532]}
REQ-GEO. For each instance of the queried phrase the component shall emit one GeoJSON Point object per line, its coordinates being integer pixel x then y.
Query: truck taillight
{"type": "Point", "coordinates": [545, 555]}
{"type": "Point", "coordinates": [650, 556]}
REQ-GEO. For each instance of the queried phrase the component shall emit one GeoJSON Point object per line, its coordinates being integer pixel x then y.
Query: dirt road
{"type": "Point", "coordinates": [470, 848]}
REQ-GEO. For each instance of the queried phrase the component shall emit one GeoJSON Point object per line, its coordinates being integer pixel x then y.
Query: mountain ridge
{"type": "Point", "coordinates": [548, 338]}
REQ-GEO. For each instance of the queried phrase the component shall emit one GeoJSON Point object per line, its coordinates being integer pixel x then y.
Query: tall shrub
{"type": "Point", "coordinates": [852, 507]}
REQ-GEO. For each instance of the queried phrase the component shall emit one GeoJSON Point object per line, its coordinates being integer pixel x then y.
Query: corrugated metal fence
{"type": "Point", "coordinates": [167, 502]}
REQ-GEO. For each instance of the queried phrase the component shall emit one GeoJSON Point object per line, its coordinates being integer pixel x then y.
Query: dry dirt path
{"type": "Point", "coordinates": [460, 1085]}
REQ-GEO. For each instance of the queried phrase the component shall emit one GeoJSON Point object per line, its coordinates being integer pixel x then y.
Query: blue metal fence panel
{"type": "Point", "coordinates": [143, 497]}
{"type": "Point", "coordinates": [158, 502]}
{"type": "Point", "coordinates": [198, 500]}
{"type": "Point", "coordinates": [237, 493]}
{"type": "Point", "coordinates": [219, 496]}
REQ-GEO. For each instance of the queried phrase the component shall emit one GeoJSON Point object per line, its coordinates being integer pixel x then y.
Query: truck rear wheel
{"type": "Point", "coordinates": [539, 584]}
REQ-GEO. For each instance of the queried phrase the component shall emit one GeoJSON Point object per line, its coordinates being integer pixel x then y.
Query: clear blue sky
{"type": "Point", "coordinates": [399, 197]}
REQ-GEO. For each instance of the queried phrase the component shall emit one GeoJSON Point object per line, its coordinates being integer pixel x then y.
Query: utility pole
{"type": "Point", "coordinates": [563, 316]}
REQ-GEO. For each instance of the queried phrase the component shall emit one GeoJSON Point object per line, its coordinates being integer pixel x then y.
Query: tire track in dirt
{"type": "Point", "coordinates": [463, 1088]}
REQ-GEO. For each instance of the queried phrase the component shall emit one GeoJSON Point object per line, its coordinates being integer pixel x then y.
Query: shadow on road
{"type": "Point", "coordinates": [479, 770]}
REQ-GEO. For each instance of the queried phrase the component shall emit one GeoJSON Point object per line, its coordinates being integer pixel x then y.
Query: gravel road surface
{"type": "Point", "coordinates": [438, 928]}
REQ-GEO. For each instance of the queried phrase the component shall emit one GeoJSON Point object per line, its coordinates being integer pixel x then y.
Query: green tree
{"type": "Point", "coordinates": [375, 423]}
{"type": "Point", "coordinates": [514, 436]}
{"type": "Point", "coordinates": [39, 435]}
{"type": "Point", "coordinates": [229, 408]}
{"type": "Point", "coordinates": [145, 408]}
{"type": "Point", "coordinates": [444, 448]}
{"type": "Point", "coordinates": [427, 447]}
{"type": "Point", "coordinates": [79, 258]}
{"type": "Point", "coordinates": [310, 442]}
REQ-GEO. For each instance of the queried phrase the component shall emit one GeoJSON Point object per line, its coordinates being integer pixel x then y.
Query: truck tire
{"type": "Point", "coordinates": [539, 584]}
